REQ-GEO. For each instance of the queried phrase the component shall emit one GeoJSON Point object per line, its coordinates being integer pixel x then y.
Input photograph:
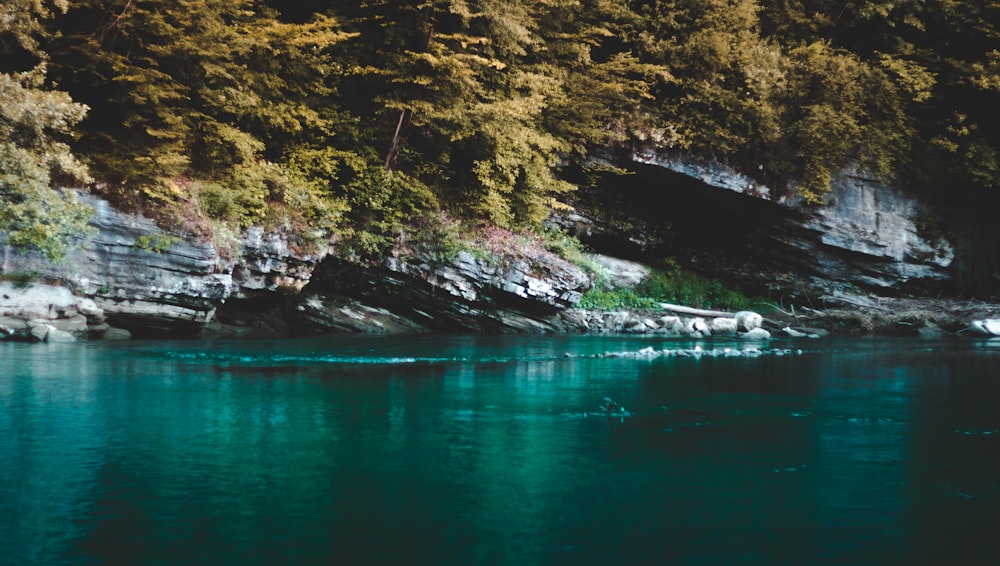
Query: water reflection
{"type": "Point", "coordinates": [473, 449]}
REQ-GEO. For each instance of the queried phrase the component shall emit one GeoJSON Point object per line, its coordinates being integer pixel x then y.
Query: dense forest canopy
{"type": "Point", "coordinates": [363, 118]}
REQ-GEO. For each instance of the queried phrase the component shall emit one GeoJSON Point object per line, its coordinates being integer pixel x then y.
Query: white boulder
{"type": "Point", "coordinates": [748, 320]}
{"type": "Point", "coordinates": [724, 325]}
{"type": "Point", "coordinates": [986, 327]}
{"type": "Point", "coordinates": [697, 328]}
{"type": "Point", "coordinates": [756, 334]}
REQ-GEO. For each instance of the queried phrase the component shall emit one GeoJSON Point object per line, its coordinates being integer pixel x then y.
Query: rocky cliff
{"type": "Point", "coordinates": [718, 220]}
{"type": "Point", "coordinates": [513, 289]}
{"type": "Point", "coordinates": [148, 281]}
{"type": "Point", "coordinates": [134, 276]}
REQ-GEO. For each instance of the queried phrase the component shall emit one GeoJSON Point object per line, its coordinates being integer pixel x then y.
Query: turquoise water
{"type": "Point", "coordinates": [494, 450]}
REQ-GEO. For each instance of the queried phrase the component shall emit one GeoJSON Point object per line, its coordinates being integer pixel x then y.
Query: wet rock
{"type": "Point", "coordinates": [510, 291]}
{"type": "Point", "coordinates": [38, 331]}
{"type": "Point", "coordinates": [637, 327]}
{"type": "Point", "coordinates": [723, 326]}
{"type": "Point", "coordinates": [756, 334]}
{"type": "Point", "coordinates": [694, 353]}
{"type": "Point", "coordinates": [792, 333]}
{"type": "Point", "coordinates": [747, 321]}
{"type": "Point", "coordinates": [698, 328]}
{"type": "Point", "coordinates": [56, 336]}
{"type": "Point", "coordinates": [338, 314]}
{"type": "Point", "coordinates": [986, 327]}
{"type": "Point", "coordinates": [14, 330]}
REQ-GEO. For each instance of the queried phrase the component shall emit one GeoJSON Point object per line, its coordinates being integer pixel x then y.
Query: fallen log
{"type": "Point", "coordinates": [679, 309]}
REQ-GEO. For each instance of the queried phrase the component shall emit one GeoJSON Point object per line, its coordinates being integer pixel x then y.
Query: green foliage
{"type": "Point", "coordinates": [358, 119]}
{"type": "Point", "coordinates": [221, 93]}
{"type": "Point", "coordinates": [35, 122]}
{"type": "Point", "coordinates": [670, 284]}
{"type": "Point", "coordinates": [156, 243]}
{"type": "Point", "coordinates": [21, 23]}
{"type": "Point", "coordinates": [603, 298]}
{"type": "Point", "coordinates": [20, 279]}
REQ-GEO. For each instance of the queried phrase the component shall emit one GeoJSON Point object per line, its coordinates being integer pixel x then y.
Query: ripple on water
{"type": "Point", "coordinates": [978, 432]}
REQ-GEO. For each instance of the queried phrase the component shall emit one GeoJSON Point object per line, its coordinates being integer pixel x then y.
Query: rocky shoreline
{"type": "Point", "coordinates": [53, 313]}
{"type": "Point", "coordinates": [134, 279]}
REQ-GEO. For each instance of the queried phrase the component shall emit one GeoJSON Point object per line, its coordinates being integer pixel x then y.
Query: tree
{"type": "Point", "coordinates": [204, 104]}
{"type": "Point", "coordinates": [458, 108]}
{"type": "Point", "coordinates": [34, 121]}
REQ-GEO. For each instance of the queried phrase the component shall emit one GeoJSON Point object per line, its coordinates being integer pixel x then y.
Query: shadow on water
{"type": "Point", "coordinates": [497, 450]}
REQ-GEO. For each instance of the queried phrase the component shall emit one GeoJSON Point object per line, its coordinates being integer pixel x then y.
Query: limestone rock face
{"type": "Point", "coordinates": [875, 223]}
{"type": "Point", "coordinates": [138, 275]}
{"type": "Point", "coordinates": [134, 276]}
{"type": "Point", "coordinates": [337, 314]}
{"type": "Point", "coordinates": [271, 262]}
{"type": "Point", "coordinates": [866, 235]}
{"type": "Point", "coordinates": [44, 313]}
{"type": "Point", "coordinates": [144, 279]}
{"type": "Point", "coordinates": [495, 294]}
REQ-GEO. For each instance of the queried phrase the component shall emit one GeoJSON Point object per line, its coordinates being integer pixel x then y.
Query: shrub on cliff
{"type": "Point", "coordinates": [36, 121]}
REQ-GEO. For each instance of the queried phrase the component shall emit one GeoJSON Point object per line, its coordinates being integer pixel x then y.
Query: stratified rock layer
{"type": "Point", "coordinates": [866, 235]}
{"type": "Point", "coordinates": [485, 294]}
{"type": "Point", "coordinates": [144, 279]}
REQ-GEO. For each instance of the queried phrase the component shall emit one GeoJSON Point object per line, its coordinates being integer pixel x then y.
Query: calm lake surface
{"type": "Point", "coordinates": [493, 450]}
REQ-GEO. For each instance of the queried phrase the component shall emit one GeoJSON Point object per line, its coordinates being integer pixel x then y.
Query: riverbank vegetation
{"type": "Point", "coordinates": [361, 119]}
{"type": "Point", "coordinates": [669, 284]}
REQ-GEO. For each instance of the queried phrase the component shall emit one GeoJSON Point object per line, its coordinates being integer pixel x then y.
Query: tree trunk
{"type": "Point", "coordinates": [397, 138]}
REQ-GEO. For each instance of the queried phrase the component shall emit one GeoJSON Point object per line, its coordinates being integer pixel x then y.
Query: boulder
{"type": "Point", "coordinates": [671, 324]}
{"type": "Point", "coordinates": [748, 320]}
{"type": "Point", "coordinates": [38, 331]}
{"type": "Point", "coordinates": [756, 334]}
{"type": "Point", "coordinates": [56, 336]}
{"type": "Point", "coordinates": [698, 328]}
{"type": "Point", "coordinates": [724, 326]}
{"type": "Point", "coordinates": [986, 327]}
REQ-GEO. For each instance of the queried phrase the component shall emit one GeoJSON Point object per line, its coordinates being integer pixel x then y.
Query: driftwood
{"type": "Point", "coordinates": [679, 309]}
